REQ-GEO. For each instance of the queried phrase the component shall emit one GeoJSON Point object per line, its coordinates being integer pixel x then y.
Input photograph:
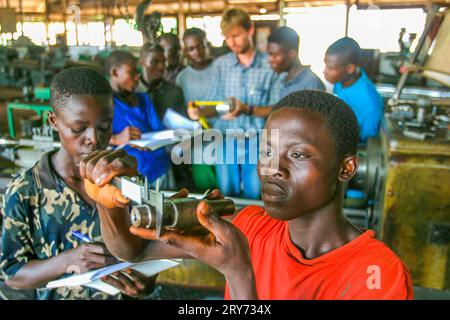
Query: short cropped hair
{"type": "Point", "coordinates": [194, 32]}
{"type": "Point", "coordinates": [285, 37]}
{"type": "Point", "coordinates": [149, 47]}
{"type": "Point", "coordinates": [77, 80]}
{"type": "Point", "coordinates": [117, 58]}
{"type": "Point", "coordinates": [172, 39]}
{"type": "Point", "coordinates": [347, 49]}
{"type": "Point", "coordinates": [235, 17]}
{"type": "Point", "coordinates": [338, 116]}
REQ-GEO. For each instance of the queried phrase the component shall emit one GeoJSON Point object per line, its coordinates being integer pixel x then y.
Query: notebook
{"type": "Point", "coordinates": [155, 140]}
{"type": "Point", "coordinates": [174, 120]}
{"type": "Point", "coordinates": [92, 278]}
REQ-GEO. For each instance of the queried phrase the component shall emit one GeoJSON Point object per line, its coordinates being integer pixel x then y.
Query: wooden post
{"type": "Point", "coordinates": [181, 18]}
{"type": "Point", "coordinates": [64, 12]}
{"type": "Point", "coordinates": [281, 6]}
{"type": "Point", "coordinates": [21, 16]}
{"type": "Point", "coordinates": [47, 18]}
{"type": "Point", "coordinates": [347, 13]}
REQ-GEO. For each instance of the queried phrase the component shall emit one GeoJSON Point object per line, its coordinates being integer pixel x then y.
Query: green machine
{"type": "Point", "coordinates": [415, 206]}
{"type": "Point", "coordinates": [407, 169]}
{"type": "Point", "coordinates": [41, 110]}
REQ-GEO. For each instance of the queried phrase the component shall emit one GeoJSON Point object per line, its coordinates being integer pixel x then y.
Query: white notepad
{"type": "Point", "coordinates": [92, 278]}
{"type": "Point", "coordinates": [174, 120]}
{"type": "Point", "coordinates": [155, 140]}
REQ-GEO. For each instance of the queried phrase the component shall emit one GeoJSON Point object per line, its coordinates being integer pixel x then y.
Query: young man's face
{"type": "Point", "coordinates": [238, 39]}
{"type": "Point", "coordinates": [195, 49]}
{"type": "Point", "coordinates": [171, 53]}
{"type": "Point", "coordinates": [280, 60]}
{"type": "Point", "coordinates": [84, 124]}
{"type": "Point", "coordinates": [126, 76]}
{"type": "Point", "coordinates": [306, 177]}
{"type": "Point", "coordinates": [154, 64]}
{"type": "Point", "coordinates": [335, 69]}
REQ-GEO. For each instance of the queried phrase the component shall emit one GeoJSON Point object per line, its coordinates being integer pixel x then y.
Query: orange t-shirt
{"type": "Point", "coordinates": [363, 268]}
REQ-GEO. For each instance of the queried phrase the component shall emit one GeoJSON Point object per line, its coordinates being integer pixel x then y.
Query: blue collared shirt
{"type": "Point", "coordinates": [253, 85]}
{"type": "Point", "coordinates": [366, 103]}
{"type": "Point", "coordinates": [305, 80]}
{"type": "Point", "coordinates": [152, 164]}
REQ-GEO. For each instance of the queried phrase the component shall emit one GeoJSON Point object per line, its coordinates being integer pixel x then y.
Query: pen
{"type": "Point", "coordinates": [81, 236]}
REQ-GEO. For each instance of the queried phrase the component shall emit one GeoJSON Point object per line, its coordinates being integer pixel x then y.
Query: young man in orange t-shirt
{"type": "Point", "coordinates": [300, 245]}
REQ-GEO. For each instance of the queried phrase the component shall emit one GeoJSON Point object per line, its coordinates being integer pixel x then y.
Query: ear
{"type": "Point", "coordinates": [251, 31]}
{"type": "Point", "coordinates": [351, 68]}
{"type": "Point", "coordinates": [184, 50]}
{"type": "Point", "coordinates": [349, 167]}
{"type": "Point", "coordinates": [292, 54]}
{"type": "Point", "coordinates": [114, 72]}
{"type": "Point", "coordinates": [52, 119]}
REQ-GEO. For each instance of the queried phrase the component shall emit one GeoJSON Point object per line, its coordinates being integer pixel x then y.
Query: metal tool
{"type": "Point", "coordinates": [221, 107]}
{"type": "Point", "coordinates": [151, 209]}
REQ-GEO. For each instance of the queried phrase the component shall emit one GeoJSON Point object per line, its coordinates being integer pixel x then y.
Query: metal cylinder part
{"type": "Point", "coordinates": [178, 213]}
{"type": "Point", "coordinates": [421, 112]}
{"type": "Point", "coordinates": [141, 216]}
{"type": "Point", "coordinates": [224, 108]}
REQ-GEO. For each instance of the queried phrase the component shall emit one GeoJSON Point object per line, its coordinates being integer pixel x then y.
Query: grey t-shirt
{"type": "Point", "coordinates": [305, 80]}
{"type": "Point", "coordinates": [194, 83]}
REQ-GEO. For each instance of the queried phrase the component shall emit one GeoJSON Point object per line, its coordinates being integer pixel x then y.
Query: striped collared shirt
{"type": "Point", "coordinates": [253, 85]}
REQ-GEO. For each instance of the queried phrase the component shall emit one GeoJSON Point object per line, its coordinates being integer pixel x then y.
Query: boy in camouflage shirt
{"type": "Point", "coordinates": [46, 203]}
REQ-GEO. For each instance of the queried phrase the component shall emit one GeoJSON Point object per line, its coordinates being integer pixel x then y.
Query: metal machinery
{"type": "Point", "coordinates": [406, 172]}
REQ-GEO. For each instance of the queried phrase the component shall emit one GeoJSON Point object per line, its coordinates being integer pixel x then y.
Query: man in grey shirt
{"type": "Point", "coordinates": [283, 58]}
{"type": "Point", "coordinates": [283, 46]}
{"type": "Point", "coordinates": [195, 79]}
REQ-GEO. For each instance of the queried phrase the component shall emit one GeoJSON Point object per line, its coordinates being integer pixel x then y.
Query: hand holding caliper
{"type": "Point", "coordinates": [150, 208]}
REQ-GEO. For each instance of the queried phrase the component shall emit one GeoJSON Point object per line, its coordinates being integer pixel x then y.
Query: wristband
{"type": "Point", "coordinates": [250, 110]}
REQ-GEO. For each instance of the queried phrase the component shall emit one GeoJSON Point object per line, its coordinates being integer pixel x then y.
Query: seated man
{"type": "Point", "coordinates": [299, 245]}
{"type": "Point", "coordinates": [134, 114]}
{"type": "Point", "coordinates": [46, 203]}
{"type": "Point", "coordinates": [353, 86]}
{"type": "Point", "coordinates": [164, 94]}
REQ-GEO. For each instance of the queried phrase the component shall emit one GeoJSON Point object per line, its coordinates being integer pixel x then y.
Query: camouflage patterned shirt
{"type": "Point", "coordinates": [41, 212]}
